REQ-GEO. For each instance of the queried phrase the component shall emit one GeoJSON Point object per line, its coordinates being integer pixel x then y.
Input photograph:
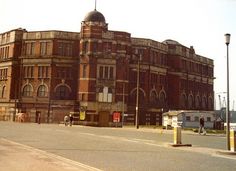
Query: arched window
{"type": "Point", "coordinates": [190, 101]}
{"type": "Point", "coordinates": [162, 99]}
{"type": "Point", "coordinates": [27, 91]}
{"type": "Point", "coordinates": [42, 91]}
{"type": "Point", "coordinates": [153, 98]}
{"type": "Point", "coordinates": [183, 101]}
{"type": "Point", "coordinates": [62, 92]}
{"type": "Point", "coordinates": [210, 103]}
{"type": "Point", "coordinates": [105, 94]}
{"type": "Point", "coordinates": [204, 102]}
{"type": "Point", "coordinates": [197, 102]}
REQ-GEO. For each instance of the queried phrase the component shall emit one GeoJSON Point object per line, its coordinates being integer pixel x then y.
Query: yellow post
{"type": "Point", "coordinates": [233, 139]}
{"type": "Point", "coordinates": [177, 135]}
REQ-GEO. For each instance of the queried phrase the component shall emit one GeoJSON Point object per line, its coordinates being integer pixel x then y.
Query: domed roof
{"type": "Point", "coordinates": [95, 16]}
{"type": "Point", "coordinates": [173, 42]}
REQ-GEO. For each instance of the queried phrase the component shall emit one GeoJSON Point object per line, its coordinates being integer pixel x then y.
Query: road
{"type": "Point", "coordinates": [121, 149]}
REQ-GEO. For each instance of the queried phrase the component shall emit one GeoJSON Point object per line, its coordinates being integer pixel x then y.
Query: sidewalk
{"type": "Point", "coordinates": [18, 157]}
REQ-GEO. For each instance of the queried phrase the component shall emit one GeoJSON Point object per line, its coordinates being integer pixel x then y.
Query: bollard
{"type": "Point", "coordinates": [177, 135]}
{"type": "Point", "coordinates": [233, 139]}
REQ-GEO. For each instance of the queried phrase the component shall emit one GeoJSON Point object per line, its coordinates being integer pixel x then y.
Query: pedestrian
{"type": "Point", "coordinates": [71, 119]}
{"type": "Point", "coordinates": [66, 120]}
{"type": "Point", "coordinates": [39, 117]}
{"type": "Point", "coordinates": [201, 126]}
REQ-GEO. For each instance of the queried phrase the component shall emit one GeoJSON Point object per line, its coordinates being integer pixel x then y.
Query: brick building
{"type": "Point", "coordinates": [94, 73]}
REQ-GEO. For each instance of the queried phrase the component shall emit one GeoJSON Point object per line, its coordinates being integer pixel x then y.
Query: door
{"type": "Point", "coordinates": [104, 119]}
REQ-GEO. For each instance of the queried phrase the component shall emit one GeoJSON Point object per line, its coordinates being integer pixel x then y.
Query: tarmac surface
{"type": "Point", "coordinates": [19, 157]}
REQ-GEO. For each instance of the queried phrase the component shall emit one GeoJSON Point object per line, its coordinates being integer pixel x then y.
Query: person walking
{"type": "Point", "coordinates": [201, 126]}
{"type": "Point", "coordinates": [66, 120]}
{"type": "Point", "coordinates": [71, 119]}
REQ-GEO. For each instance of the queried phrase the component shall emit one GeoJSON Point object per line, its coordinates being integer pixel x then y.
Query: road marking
{"type": "Point", "coordinates": [84, 133]}
{"type": "Point", "coordinates": [223, 156]}
{"type": "Point", "coordinates": [61, 160]}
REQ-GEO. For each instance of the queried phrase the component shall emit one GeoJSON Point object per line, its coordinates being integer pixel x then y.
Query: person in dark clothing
{"type": "Point", "coordinates": [71, 119]}
{"type": "Point", "coordinates": [201, 126]}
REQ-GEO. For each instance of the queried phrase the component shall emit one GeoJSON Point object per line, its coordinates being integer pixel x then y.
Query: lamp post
{"type": "Point", "coordinates": [137, 93]}
{"type": "Point", "coordinates": [227, 41]}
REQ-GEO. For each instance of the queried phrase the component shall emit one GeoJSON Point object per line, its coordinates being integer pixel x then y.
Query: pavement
{"type": "Point", "coordinates": [19, 157]}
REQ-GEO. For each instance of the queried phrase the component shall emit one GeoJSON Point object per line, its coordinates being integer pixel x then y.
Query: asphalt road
{"type": "Point", "coordinates": [121, 149]}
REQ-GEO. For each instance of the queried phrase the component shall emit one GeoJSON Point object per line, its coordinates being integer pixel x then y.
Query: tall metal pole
{"type": "Point", "coordinates": [227, 41]}
{"type": "Point", "coordinates": [137, 97]}
{"type": "Point", "coordinates": [227, 108]}
{"type": "Point", "coordinates": [123, 104]}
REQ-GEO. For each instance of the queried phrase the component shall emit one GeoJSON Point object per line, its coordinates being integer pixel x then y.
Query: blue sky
{"type": "Point", "coordinates": [198, 23]}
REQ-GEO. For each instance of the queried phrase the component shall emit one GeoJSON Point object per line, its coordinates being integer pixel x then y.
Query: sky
{"type": "Point", "coordinates": [198, 23]}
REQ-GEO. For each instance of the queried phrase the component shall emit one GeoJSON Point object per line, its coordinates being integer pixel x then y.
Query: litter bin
{"type": "Point", "coordinates": [177, 135]}
{"type": "Point", "coordinates": [233, 139]}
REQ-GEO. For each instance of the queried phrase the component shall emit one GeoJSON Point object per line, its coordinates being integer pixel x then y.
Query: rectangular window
{"type": "Point", "coordinates": [94, 47]}
{"type": "Point", "coordinates": [43, 72]}
{"type": "Point", "coordinates": [43, 48]}
{"type": "Point", "coordinates": [60, 48]}
{"type": "Point", "coordinates": [196, 118]}
{"type": "Point", "coordinates": [101, 72]}
{"type": "Point", "coordinates": [188, 118]}
{"type": "Point", "coordinates": [111, 73]}
{"type": "Point", "coordinates": [86, 47]}
{"type": "Point", "coordinates": [84, 71]}
{"type": "Point", "coordinates": [8, 37]}
{"type": "Point", "coordinates": [30, 48]}
{"type": "Point", "coordinates": [28, 71]}
{"type": "Point", "coordinates": [3, 74]}
{"type": "Point", "coordinates": [106, 72]}
{"type": "Point", "coordinates": [208, 119]}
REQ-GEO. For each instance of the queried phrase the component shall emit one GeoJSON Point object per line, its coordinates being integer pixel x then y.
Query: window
{"type": "Point", "coordinates": [196, 118]}
{"type": "Point", "coordinates": [208, 119]}
{"type": "Point", "coordinates": [28, 71]}
{"type": "Point", "coordinates": [86, 47]}
{"type": "Point", "coordinates": [106, 72]}
{"type": "Point", "coordinates": [45, 48]}
{"type": "Point", "coordinates": [43, 72]}
{"type": "Point", "coordinates": [105, 95]}
{"type": "Point", "coordinates": [27, 91]}
{"type": "Point", "coordinates": [3, 74]}
{"type": "Point", "coordinates": [42, 91]}
{"type": "Point", "coordinates": [84, 71]}
{"type": "Point", "coordinates": [190, 101]}
{"type": "Point", "coordinates": [64, 48]}
{"type": "Point", "coordinates": [153, 97]}
{"type": "Point", "coordinates": [3, 92]}
{"type": "Point", "coordinates": [62, 92]}
{"type": "Point", "coordinates": [183, 101]}
{"type": "Point", "coordinates": [197, 102]}
{"type": "Point", "coordinates": [30, 48]}
{"type": "Point", "coordinates": [162, 98]}
{"type": "Point", "coordinates": [188, 118]}
{"type": "Point", "coordinates": [95, 47]}
{"type": "Point", "coordinates": [101, 72]}
{"type": "Point", "coordinates": [64, 73]}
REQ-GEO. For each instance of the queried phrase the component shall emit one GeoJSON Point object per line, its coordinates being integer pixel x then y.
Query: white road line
{"type": "Point", "coordinates": [62, 159]}
{"type": "Point", "coordinates": [224, 156]}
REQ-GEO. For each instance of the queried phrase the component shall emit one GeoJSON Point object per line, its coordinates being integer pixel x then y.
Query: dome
{"type": "Point", "coordinates": [95, 16]}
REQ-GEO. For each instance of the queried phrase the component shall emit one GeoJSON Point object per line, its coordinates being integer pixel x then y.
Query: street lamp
{"type": "Point", "coordinates": [227, 41]}
{"type": "Point", "coordinates": [138, 55]}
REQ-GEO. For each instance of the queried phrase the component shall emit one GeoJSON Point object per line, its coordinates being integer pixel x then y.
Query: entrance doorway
{"type": "Point", "coordinates": [104, 119]}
